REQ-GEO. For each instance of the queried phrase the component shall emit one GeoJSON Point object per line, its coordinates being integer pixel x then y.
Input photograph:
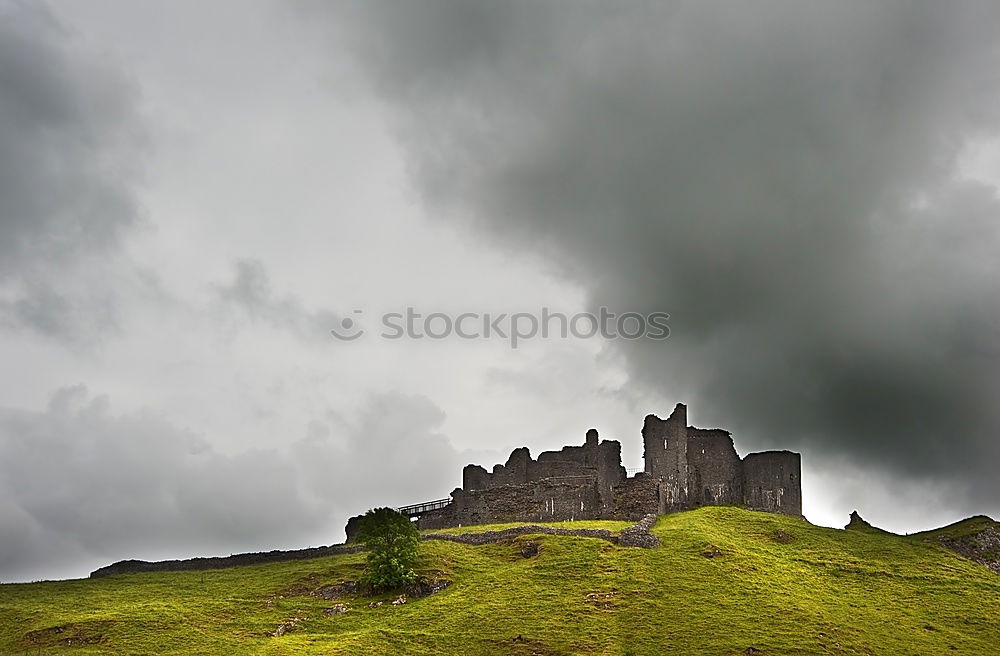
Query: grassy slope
{"type": "Point", "coordinates": [825, 592]}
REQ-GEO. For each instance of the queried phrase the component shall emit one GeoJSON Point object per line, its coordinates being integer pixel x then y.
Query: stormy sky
{"type": "Point", "coordinates": [193, 195]}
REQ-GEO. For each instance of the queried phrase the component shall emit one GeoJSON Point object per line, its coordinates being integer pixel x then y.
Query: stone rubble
{"type": "Point", "coordinates": [639, 535]}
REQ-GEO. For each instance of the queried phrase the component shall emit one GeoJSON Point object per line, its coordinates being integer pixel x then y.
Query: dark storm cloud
{"type": "Point", "coordinates": [69, 139]}
{"type": "Point", "coordinates": [81, 486]}
{"type": "Point", "coordinates": [779, 176]}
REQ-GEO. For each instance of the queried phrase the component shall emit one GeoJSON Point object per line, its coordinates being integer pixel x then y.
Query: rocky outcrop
{"type": "Point", "coordinates": [857, 523]}
{"type": "Point", "coordinates": [337, 590]}
{"type": "Point", "coordinates": [426, 586]}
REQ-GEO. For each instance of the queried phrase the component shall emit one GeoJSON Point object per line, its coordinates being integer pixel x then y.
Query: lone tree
{"type": "Point", "coordinates": [392, 543]}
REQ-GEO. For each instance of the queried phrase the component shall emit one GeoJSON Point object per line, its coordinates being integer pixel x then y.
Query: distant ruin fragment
{"type": "Point", "coordinates": [685, 468]}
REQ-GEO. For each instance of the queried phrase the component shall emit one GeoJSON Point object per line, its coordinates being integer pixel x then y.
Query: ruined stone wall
{"type": "Point", "coordinates": [665, 447]}
{"type": "Point", "coordinates": [715, 471]}
{"type": "Point", "coordinates": [584, 456]}
{"type": "Point", "coordinates": [636, 497]}
{"type": "Point", "coordinates": [555, 468]}
{"type": "Point", "coordinates": [547, 500]}
{"type": "Point", "coordinates": [514, 471]}
{"type": "Point", "coordinates": [520, 468]}
{"type": "Point", "coordinates": [654, 446]}
{"type": "Point", "coordinates": [610, 473]}
{"type": "Point", "coordinates": [475, 477]}
{"type": "Point", "coordinates": [772, 482]}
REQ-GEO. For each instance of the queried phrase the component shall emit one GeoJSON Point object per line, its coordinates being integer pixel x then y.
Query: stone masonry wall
{"type": "Point", "coordinates": [610, 473]}
{"type": "Point", "coordinates": [715, 472]}
{"type": "Point", "coordinates": [636, 497]}
{"type": "Point", "coordinates": [772, 482]}
{"type": "Point", "coordinates": [548, 500]}
{"type": "Point", "coordinates": [665, 450]}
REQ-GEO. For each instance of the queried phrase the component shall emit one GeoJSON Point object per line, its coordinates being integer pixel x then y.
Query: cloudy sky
{"type": "Point", "coordinates": [192, 195]}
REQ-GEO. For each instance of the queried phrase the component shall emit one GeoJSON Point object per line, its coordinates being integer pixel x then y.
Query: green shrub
{"type": "Point", "coordinates": [392, 540]}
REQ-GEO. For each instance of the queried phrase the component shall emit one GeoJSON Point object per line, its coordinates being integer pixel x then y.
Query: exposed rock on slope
{"type": "Point", "coordinates": [976, 538]}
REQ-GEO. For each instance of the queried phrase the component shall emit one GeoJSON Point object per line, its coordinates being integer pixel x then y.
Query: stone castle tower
{"type": "Point", "coordinates": [699, 467]}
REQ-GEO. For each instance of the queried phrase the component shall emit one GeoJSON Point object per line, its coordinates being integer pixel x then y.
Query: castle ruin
{"type": "Point", "coordinates": [685, 468]}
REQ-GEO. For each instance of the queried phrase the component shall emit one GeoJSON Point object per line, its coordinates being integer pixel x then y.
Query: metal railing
{"type": "Point", "coordinates": [420, 508]}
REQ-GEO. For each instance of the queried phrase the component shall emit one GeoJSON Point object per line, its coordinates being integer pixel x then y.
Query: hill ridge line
{"type": "Point", "coordinates": [637, 535]}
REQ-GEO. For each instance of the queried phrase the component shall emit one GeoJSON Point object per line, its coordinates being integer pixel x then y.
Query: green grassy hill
{"type": "Point", "coordinates": [780, 586]}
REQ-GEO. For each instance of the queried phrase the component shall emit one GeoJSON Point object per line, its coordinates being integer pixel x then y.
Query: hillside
{"type": "Point", "coordinates": [724, 581]}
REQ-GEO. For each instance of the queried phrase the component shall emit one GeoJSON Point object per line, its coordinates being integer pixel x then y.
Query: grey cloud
{"type": "Point", "coordinates": [70, 143]}
{"type": "Point", "coordinates": [250, 293]}
{"type": "Point", "coordinates": [81, 486]}
{"type": "Point", "coordinates": [778, 176]}
{"type": "Point", "coordinates": [79, 318]}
